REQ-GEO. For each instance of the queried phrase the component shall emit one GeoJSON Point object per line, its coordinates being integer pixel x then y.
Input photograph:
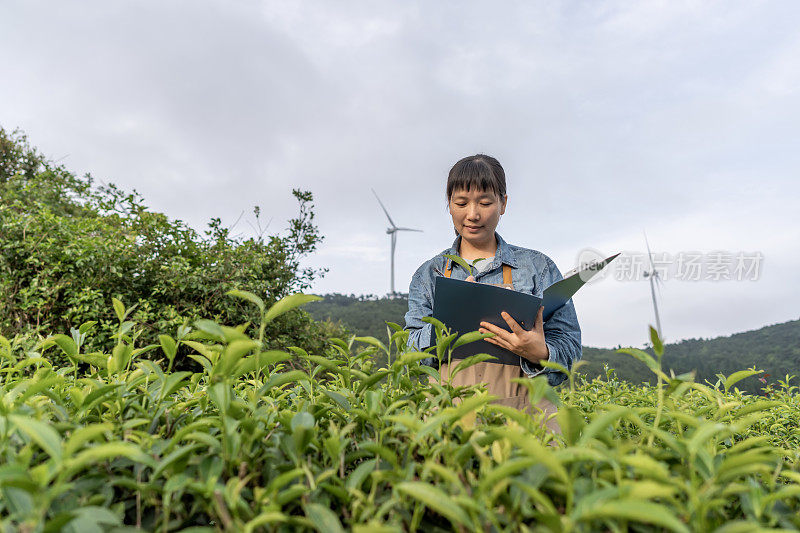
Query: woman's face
{"type": "Point", "coordinates": [476, 214]}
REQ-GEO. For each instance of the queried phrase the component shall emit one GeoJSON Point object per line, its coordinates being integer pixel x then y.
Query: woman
{"type": "Point", "coordinates": [476, 196]}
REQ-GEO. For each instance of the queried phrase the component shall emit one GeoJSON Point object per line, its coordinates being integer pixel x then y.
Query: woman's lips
{"type": "Point", "coordinates": [473, 228]}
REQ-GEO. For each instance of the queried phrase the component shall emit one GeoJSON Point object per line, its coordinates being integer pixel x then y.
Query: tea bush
{"type": "Point", "coordinates": [268, 440]}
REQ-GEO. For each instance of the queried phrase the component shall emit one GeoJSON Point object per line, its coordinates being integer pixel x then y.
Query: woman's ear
{"type": "Point", "coordinates": [504, 202]}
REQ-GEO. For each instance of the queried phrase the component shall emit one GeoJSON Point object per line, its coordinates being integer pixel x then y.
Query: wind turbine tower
{"type": "Point", "coordinates": [655, 279]}
{"type": "Point", "coordinates": [392, 231]}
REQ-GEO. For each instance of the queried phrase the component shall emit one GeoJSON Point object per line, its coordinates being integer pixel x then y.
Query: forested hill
{"type": "Point", "coordinates": [774, 349]}
{"type": "Point", "coordinates": [364, 315]}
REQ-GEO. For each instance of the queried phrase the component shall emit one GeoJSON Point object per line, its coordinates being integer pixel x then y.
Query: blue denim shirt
{"type": "Point", "coordinates": [531, 272]}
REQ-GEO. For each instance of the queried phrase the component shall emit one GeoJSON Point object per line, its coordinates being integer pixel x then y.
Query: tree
{"type": "Point", "coordinates": [68, 246]}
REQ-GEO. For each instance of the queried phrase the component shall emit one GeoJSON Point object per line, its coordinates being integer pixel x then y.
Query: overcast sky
{"type": "Point", "coordinates": [679, 118]}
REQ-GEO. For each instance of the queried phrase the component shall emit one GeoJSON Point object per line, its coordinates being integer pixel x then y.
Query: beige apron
{"type": "Point", "coordinates": [497, 378]}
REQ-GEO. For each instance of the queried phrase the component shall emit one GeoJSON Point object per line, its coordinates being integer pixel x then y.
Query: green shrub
{"type": "Point", "coordinates": [67, 247]}
{"type": "Point", "coordinates": [249, 444]}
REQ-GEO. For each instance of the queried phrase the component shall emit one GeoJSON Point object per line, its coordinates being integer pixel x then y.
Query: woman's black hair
{"type": "Point", "coordinates": [481, 171]}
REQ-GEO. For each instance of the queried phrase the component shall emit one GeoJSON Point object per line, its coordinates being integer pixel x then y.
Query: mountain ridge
{"type": "Point", "coordinates": [774, 348]}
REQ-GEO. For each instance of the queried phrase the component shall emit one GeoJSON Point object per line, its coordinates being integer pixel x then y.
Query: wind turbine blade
{"type": "Point", "coordinates": [649, 253]}
{"type": "Point", "coordinates": [384, 208]}
{"type": "Point", "coordinates": [408, 229]}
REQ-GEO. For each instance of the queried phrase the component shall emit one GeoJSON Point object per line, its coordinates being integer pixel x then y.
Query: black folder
{"type": "Point", "coordinates": [463, 305]}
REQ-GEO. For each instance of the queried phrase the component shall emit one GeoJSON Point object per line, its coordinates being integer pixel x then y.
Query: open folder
{"type": "Point", "coordinates": [463, 305]}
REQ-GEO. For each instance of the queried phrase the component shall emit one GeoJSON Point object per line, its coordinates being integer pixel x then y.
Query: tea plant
{"type": "Point", "coordinates": [267, 440]}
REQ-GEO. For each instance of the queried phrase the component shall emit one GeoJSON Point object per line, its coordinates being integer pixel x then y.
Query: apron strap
{"type": "Point", "coordinates": [506, 274]}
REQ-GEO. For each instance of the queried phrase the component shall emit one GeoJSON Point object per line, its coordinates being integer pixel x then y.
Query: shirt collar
{"type": "Point", "coordinates": [503, 255]}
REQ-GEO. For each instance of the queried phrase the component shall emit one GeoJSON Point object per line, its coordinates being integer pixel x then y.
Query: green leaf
{"type": "Point", "coordinates": [302, 425]}
{"type": "Point", "coordinates": [645, 358]}
{"type": "Point", "coordinates": [555, 366]}
{"type": "Point", "coordinates": [571, 422]}
{"type": "Point", "coordinates": [42, 434]}
{"type": "Point", "coordinates": [635, 511]}
{"type": "Point", "coordinates": [323, 519]}
{"type": "Point", "coordinates": [372, 380]}
{"type": "Point", "coordinates": [658, 345]}
{"type": "Point", "coordinates": [83, 435]}
{"type": "Point", "coordinates": [372, 341]}
{"type": "Point", "coordinates": [338, 398]}
{"type": "Point", "coordinates": [757, 406]}
{"type": "Point", "coordinates": [288, 303]}
{"type": "Point", "coordinates": [172, 383]}
{"type": "Point", "coordinates": [736, 377]}
{"type": "Point", "coordinates": [280, 481]}
{"type": "Point", "coordinates": [263, 519]}
{"type": "Point", "coordinates": [302, 420]}
{"type": "Point", "coordinates": [119, 308]}
{"type": "Point", "coordinates": [231, 356]}
{"type": "Point", "coordinates": [173, 457]}
{"type": "Point", "coordinates": [435, 499]}
{"type": "Point", "coordinates": [357, 477]}
{"type": "Point", "coordinates": [600, 423]}
{"type": "Point", "coordinates": [206, 364]}
{"type": "Point", "coordinates": [220, 393]}
{"type": "Point", "coordinates": [210, 327]}
{"type": "Point", "coordinates": [504, 471]}
{"type": "Point", "coordinates": [264, 359]}
{"type": "Point", "coordinates": [407, 358]}
{"type": "Point", "coordinates": [209, 352]}
{"type": "Point", "coordinates": [249, 296]}
{"type": "Point", "coordinates": [460, 261]}
{"type": "Point", "coordinates": [278, 380]}
{"type": "Point", "coordinates": [742, 526]}
{"type": "Point", "coordinates": [91, 519]}
{"type": "Point", "coordinates": [396, 327]}
{"type": "Point", "coordinates": [438, 324]}
{"type": "Point", "coordinates": [17, 500]}
{"type": "Point", "coordinates": [472, 336]}
{"type": "Point", "coordinates": [168, 345]}
{"type": "Point", "coordinates": [109, 450]}
{"type": "Point", "coordinates": [470, 361]}
{"type": "Point", "coordinates": [375, 527]}
{"type": "Point", "coordinates": [86, 326]}
{"type": "Point", "coordinates": [67, 345]}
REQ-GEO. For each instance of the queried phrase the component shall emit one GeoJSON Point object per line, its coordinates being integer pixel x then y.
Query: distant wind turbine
{"type": "Point", "coordinates": [392, 230]}
{"type": "Point", "coordinates": [655, 279]}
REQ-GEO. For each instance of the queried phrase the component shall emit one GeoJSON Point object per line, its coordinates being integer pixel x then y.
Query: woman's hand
{"type": "Point", "coordinates": [527, 344]}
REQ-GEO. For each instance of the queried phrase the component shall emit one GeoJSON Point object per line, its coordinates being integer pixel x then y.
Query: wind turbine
{"type": "Point", "coordinates": [392, 230]}
{"type": "Point", "coordinates": [655, 278]}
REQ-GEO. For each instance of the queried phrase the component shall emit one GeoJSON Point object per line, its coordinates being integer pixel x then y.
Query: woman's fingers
{"type": "Point", "coordinates": [501, 343]}
{"type": "Point", "coordinates": [491, 328]}
{"type": "Point", "coordinates": [470, 278]}
{"type": "Point", "coordinates": [502, 338]}
{"type": "Point", "coordinates": [516, 328]}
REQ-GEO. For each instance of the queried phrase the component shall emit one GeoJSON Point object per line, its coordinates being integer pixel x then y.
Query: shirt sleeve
{"type": "Point", "coordinates": [420, 304]}
{"type": "Point", "coordinates": [562, 333]}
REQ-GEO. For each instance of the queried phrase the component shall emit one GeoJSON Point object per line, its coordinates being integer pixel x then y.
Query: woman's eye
{"type": "Point", "coordinates": [460, 205]}
{"type": "Point", "coordinates": [486, 205]}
